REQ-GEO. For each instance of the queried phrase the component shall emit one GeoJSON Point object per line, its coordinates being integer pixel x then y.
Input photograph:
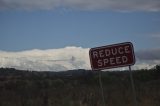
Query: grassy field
{"type": "Point", "coordinates": [26, 88]}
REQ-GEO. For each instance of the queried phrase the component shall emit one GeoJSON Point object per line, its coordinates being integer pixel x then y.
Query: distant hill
{"type": "Point", "coordinates": [77, 88]}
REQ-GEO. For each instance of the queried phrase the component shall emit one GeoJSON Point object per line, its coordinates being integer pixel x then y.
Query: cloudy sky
{"type": "Point", "coordinates": [57, 34]}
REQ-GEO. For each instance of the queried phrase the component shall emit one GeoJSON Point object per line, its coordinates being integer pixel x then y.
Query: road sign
{"type": "Point", "coordinates": [112, 56]}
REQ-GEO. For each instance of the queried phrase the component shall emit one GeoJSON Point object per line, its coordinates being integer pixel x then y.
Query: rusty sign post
{"type": "Point", "coordinates": [113, 56]}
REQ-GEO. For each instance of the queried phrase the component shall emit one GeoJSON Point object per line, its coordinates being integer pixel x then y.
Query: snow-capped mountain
{"type": "Point", "coordinates": [47, 60]}
{"type": "Point", "coordinates": [67, 58]}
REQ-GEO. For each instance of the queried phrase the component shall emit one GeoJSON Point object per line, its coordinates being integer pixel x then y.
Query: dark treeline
{"type": "Point", "coordinates": [78, 88]}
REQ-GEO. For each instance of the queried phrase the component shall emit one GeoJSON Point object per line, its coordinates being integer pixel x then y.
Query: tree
{"type": "Point", "coordinates": [157, 67]}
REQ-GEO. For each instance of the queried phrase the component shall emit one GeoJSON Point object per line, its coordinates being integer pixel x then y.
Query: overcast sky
{"type": "Point", "coordinates": [26, 25]}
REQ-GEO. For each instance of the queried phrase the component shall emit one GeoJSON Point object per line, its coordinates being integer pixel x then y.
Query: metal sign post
{"type": "Point", "coordinates": [133, 88]}
{"type": "Point", "coordinates": [100, 82]}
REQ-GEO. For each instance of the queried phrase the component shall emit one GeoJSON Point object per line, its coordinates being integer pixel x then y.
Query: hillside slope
{"type": "Point", "coordinates": [77, 88]}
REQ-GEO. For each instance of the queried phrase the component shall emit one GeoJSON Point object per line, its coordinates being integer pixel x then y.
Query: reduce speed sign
{"type": "Point", "coordinates": [112, 56]}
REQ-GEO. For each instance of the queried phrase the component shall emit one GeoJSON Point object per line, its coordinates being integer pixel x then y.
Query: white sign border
{"type": "Point", "coordinates": [118, 44]}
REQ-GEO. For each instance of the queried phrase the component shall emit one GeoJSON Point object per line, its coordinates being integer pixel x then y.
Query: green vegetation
{"type": "Point", "coordinates": [78, 88]}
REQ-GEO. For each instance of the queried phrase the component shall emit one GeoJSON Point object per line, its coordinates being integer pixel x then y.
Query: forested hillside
{"type": "Point", "coordinates": [78, 88]}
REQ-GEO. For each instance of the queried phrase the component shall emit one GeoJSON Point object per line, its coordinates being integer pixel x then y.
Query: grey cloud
{"type": "Point", "coordinates": [29, 4]}
{"type": "Point", "coordinates": [153, 54]}
{"type": "Point", "coordinates": [118, 5]}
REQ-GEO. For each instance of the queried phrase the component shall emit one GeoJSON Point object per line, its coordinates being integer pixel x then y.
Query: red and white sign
{"type": "Point", "coordinates": [112, 56]}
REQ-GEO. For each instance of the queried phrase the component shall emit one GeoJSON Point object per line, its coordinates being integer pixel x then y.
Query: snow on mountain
{"type": "Point", "coordinates": [67, 58]}
{"type": "Point", "coordinates": [47, 60]}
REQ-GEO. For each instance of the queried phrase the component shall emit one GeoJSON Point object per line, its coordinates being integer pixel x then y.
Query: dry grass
{"type": "Point", "coordinates": [80, 91]}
